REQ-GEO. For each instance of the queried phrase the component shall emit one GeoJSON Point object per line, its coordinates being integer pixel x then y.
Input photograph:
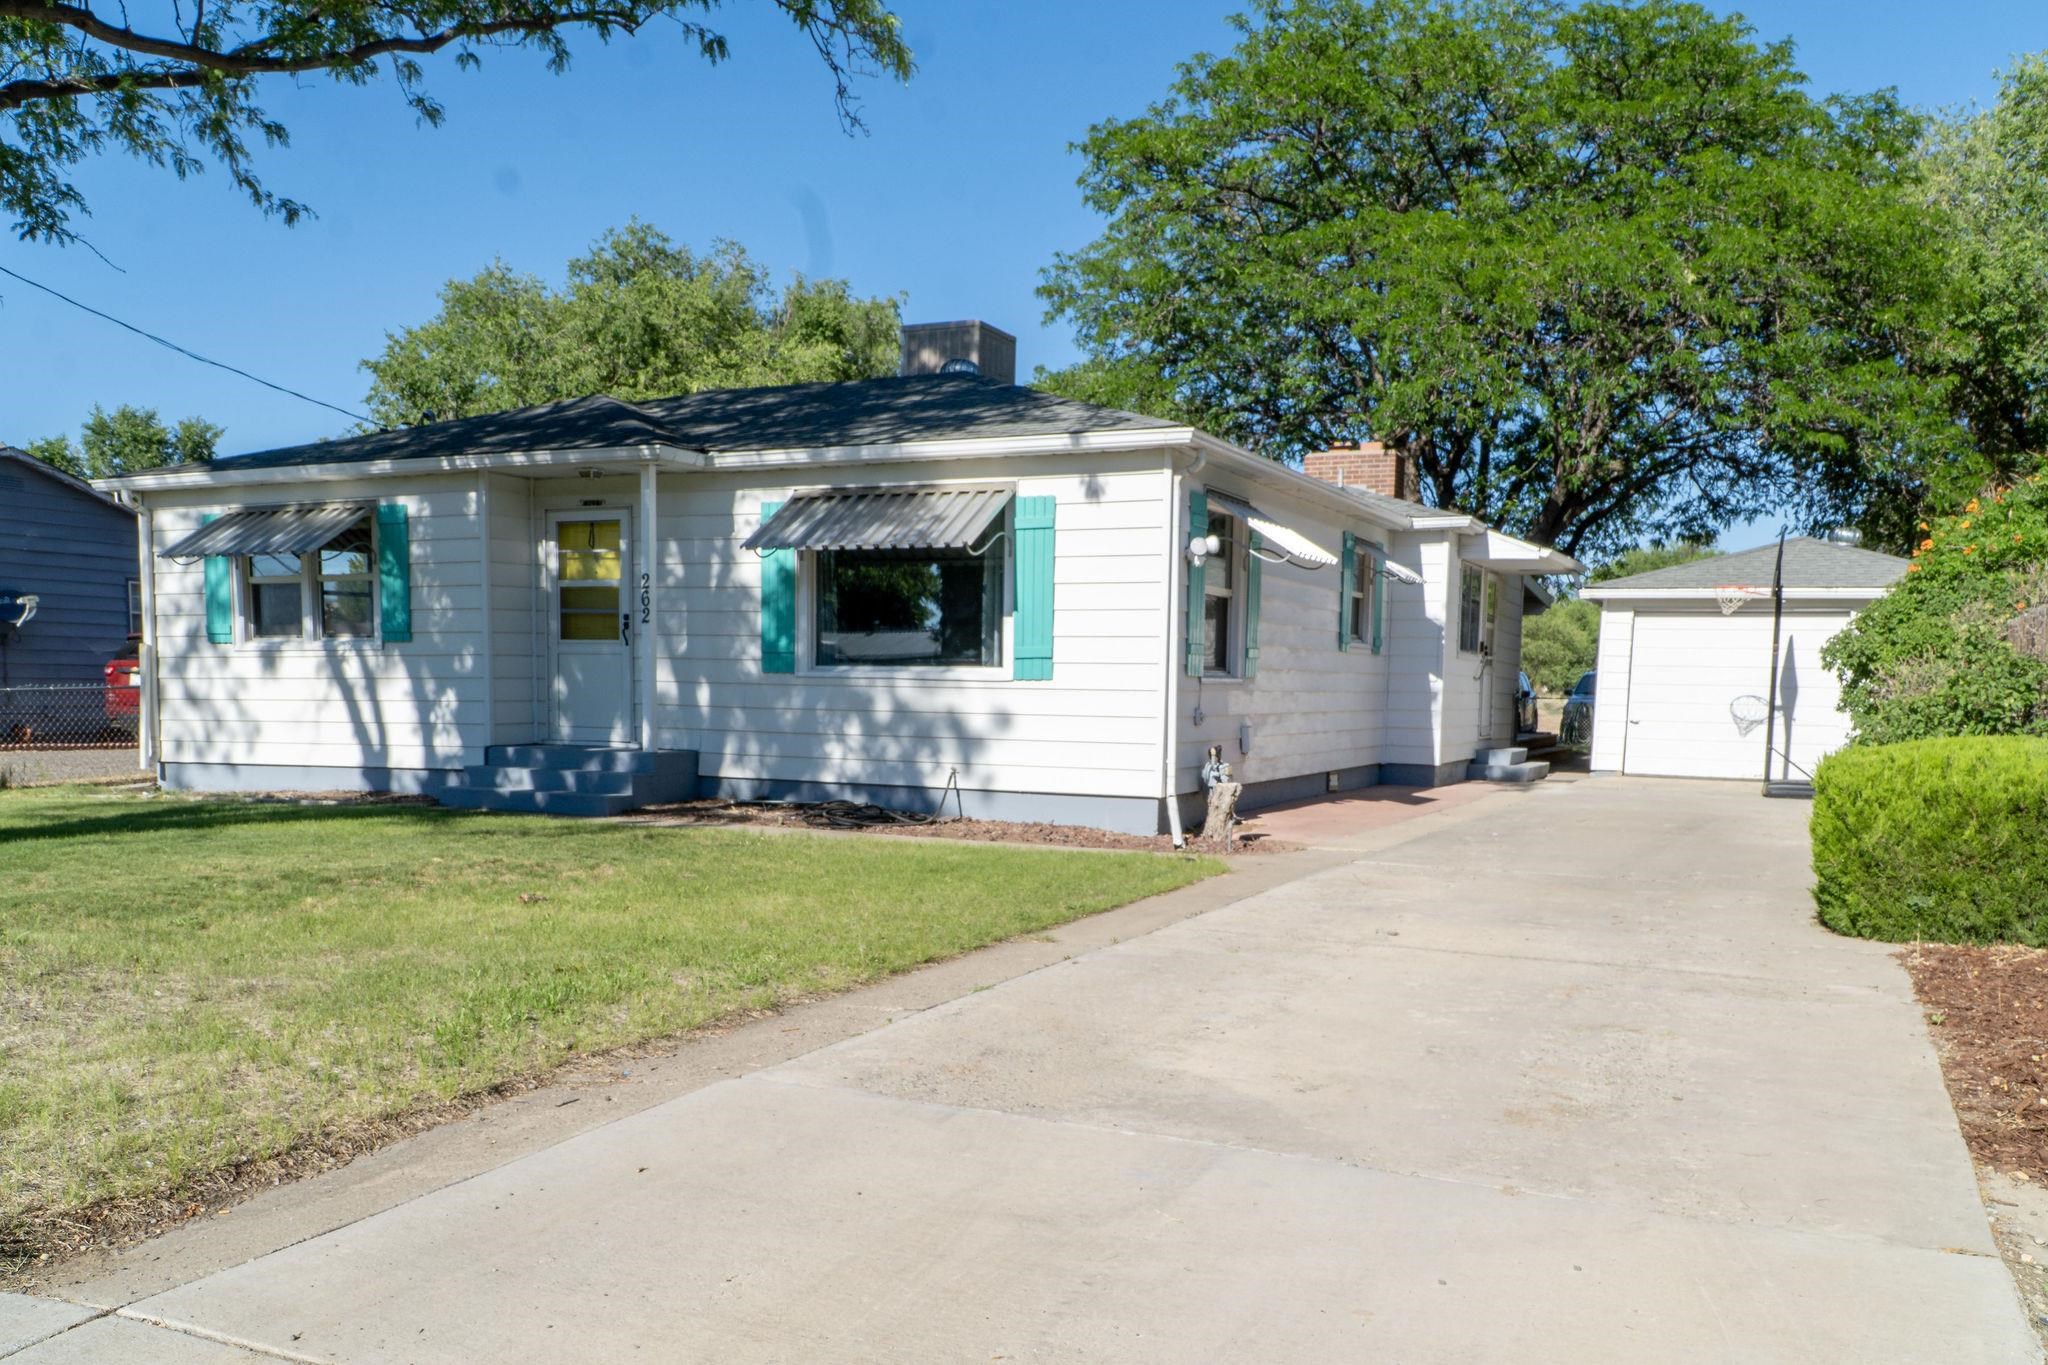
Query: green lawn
{"type": "Point", "coordinates": [186, 982]}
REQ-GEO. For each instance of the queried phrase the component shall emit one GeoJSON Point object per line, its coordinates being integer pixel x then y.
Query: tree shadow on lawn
{"type": "Point", "coordinates": [176, 816]}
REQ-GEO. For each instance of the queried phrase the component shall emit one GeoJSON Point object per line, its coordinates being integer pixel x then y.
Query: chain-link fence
{"type": "Point", "coordinates": [68, 716]}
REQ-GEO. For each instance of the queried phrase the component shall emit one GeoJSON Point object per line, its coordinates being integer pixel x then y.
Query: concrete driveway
{"type": "Point", "coordinates": [1566, 1074]}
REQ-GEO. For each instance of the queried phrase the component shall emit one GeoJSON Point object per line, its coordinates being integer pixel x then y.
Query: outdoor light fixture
{"type": "Point", "coordinates": [1201, 547]}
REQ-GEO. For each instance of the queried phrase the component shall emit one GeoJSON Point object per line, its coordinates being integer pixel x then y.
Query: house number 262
{"type": "Point", "coordinates": [646, 598]}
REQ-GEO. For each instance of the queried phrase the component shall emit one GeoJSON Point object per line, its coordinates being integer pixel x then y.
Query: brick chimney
{"type": "Point", "coordinates": [1364, 464]}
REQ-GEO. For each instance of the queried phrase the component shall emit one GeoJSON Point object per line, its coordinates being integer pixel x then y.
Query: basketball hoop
{"type": "Point", "coordinates": [1731, 596]}
{"type": "Point", "coordinates": [1748, 712]}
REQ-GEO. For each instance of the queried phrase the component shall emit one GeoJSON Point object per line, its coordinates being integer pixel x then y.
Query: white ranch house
{"type": "Point", "coordinates": [876, 590]}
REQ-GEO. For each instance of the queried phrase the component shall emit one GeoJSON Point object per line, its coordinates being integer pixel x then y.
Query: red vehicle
{"type": "Point", "coordinates": [124, 692]}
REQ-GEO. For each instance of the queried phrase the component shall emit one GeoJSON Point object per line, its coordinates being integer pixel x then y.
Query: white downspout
{"type": "Point", "coordinates": [641, 601]}
{"type": "Point", "coordinates": [1176, 553]}
{"type": "Point", "coordinates": [145, 663]}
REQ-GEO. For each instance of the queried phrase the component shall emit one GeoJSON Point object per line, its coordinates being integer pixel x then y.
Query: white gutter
{"type": "Point", "coordinates": [222, 473]}
{"type": "Point", "coordinates": [641, 603]}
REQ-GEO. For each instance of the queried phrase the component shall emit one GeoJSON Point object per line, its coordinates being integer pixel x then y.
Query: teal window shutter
{"type": "Point", "coordinates": [778, 605]}
{"type": "Point", "coordinates": [1198, 525]}
{"type": "Point", "coordinates": [1251, 610]}
{"type": "Point", "coordinates": [1033, 627]}
{"type": "Point", "coordinates": [1347, 579]}
{"type": "Point", "coordinates": [394, 574]}
{"type": "Point", "coordinates": [1379, 593]}
{"type": "Point", "coordinates": [220, 595]}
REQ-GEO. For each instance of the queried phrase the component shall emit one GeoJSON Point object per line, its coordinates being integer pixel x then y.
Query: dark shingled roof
{"type": "Point", "coordinates": [937, 407]}
{"type": "Point", "coordinates": [1809, 563]}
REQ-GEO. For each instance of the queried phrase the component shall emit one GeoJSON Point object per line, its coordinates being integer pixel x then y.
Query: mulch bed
{"type": "Point", "coordinates": [1988, 1011]}
{"type": "Point", "coordinates": [730, 814]}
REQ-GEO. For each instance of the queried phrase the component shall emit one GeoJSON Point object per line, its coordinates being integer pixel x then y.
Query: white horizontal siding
{"type": "Point", "coordinates": [1611, 687]}
{"type": "Point", "coordinates": [1313, 708]}
{"type": "Point", "coordinates": [348, 704]}
{"type": "Point", "coordinates": [1092, 729]}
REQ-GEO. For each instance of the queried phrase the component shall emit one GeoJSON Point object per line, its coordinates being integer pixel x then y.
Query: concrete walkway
{"type": "Point", "coordinates": [1566, 1074]}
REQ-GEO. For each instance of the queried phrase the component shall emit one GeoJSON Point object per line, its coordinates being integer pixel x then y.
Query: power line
{"type": "Point", "coordinates": [174, 346]}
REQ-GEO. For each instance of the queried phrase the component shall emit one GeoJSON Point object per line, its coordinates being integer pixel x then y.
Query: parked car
{"type": "Point", "coordinates": [124, 693]}
{"type": "Point", "coordinates": [1525, 705]}
{"type": "Point", "coordinates": [1577, 726]}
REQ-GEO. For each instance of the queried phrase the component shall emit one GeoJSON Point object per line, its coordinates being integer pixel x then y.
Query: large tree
{"type": "Point", "coordinates": [1987, 181]}
{"type": "Point", "coordinates": [641, 317]}
{"type": "Point", "coordinates": [1606, 272]}
{"type": "Point", "coordinates": [181, 87]}
{"type": "Point", "coordinates": [127, 440]}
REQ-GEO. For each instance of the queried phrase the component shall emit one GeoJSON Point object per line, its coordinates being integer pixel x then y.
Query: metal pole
{"type": "Point", "coordinates": [1777, 624]}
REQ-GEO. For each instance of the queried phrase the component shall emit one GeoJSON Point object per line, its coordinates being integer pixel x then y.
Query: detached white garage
{"type": "Point", "coordinates": [1684, 670]}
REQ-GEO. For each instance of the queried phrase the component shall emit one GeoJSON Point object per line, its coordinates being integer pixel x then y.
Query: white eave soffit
{"type": "Point", "coordinates": [1499, 550]}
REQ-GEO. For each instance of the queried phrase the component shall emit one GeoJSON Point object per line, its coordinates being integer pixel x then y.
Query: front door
{"type": "Point", "coordinates": [590, 654]}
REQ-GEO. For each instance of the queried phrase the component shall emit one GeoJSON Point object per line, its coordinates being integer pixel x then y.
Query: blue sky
{"type": "Point", "coordinates": [957, 197]}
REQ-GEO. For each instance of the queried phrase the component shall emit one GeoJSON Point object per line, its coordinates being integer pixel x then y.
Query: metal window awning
{"type": "Point", "coordinates": [292, 530]}
{"type": "Point", "coordinates": [1283, 538]}
{"type": "Point", "coordinates": [884, 519]}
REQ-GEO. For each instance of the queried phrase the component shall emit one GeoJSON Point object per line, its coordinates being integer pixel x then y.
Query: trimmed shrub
{"type": "Point", "coordinates": [1944, 840]}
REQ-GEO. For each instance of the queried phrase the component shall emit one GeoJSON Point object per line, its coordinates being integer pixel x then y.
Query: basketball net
{"type": "Point", "coordinates": [1748, 712]}
{"type": "Point", "coordinates": [1731, 597]}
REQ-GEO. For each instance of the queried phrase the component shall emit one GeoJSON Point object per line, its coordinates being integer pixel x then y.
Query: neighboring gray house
{"type": "Point", "coordinates": [74, 550]}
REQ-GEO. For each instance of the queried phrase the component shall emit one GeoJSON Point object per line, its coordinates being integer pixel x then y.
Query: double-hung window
{"type": "Point", "coordinates": [326, 593]}
{"type": "Point", "coordinates": [1364, 582]}
{"type": "Point", "coordinates": [1222, 609]}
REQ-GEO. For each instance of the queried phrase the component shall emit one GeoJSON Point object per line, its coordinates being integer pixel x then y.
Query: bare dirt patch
{"type": "Point", "coordinates": [743, 814]}
{"type": "Point", "coordinates": [1987, 1009]}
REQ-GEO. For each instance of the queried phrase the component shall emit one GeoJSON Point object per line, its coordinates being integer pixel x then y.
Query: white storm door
{"type": "Point", "coordinates": [590, 652]}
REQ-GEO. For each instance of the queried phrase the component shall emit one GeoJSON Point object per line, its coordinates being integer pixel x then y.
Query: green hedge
{"type": "Point", "coordinates": [1938, 839]}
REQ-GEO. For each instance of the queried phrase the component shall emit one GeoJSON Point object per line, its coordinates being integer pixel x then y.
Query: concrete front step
{"type": "Point", "coordinates": [1501, 757]}
{"type": "Point", "coordinates": [538, 803]}
{"type": "Point", "coordinates": [587, 758]}
{"type": "Point", "coordinates": [1507, 772]}
{"type": "Point", "coordinates": [565, 779]}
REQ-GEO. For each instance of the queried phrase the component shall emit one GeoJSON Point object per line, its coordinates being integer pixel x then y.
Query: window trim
{"type": "Point", "coordinates": [1235, 535]}
{"type": "Point", "coordinates": [135, 609]}
{"type": "Point", "coordinates": [312, 635]}
{"type": "Point", "coordinates": [807, 599]}
{"type": "Point", "coordinates": [1364, 583]}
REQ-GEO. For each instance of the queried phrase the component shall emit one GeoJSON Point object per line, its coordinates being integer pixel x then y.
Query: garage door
{"type": "Point", "coordinates": [1687, 671]}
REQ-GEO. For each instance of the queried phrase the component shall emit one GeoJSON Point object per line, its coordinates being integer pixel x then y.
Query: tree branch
{"type": "Point", "coordinates": [202, 64]}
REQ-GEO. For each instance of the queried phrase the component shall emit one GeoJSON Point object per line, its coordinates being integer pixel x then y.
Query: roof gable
{"type": "Point", "coordinates": [10, 455]}
{"type": "Point", "coordinates": [1809, 563]}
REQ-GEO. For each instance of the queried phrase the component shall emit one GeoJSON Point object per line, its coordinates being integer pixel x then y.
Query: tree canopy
{"type": "Point", "coordinates": [181, 89]}
{"type": "Point", "coordinates": [1605, 271]}
{"type": "Point", "coordinates": [1986, 177]}
{"type": "Point", "coordinates": [641, 317]}
{"type": "Point", "coordinates": [126, 441]}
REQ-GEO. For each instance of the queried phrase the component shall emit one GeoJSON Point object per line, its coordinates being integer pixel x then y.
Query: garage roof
{"type": "Point", "coordinates": [1810, 566]}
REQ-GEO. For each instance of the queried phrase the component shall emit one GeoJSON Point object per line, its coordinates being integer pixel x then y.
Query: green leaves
{"type": "Point", "coordinates": [126, 441]}
{"type": "Point", "coordinates": [640, 318]}
{"type": "Point", "coordinates": [180, 90]}
{"type": "Point", "coordinates": [1607, 272]}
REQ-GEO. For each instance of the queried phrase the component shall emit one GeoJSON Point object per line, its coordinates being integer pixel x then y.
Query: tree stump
{"type": "Point", "coordinates": [1219, 826]}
